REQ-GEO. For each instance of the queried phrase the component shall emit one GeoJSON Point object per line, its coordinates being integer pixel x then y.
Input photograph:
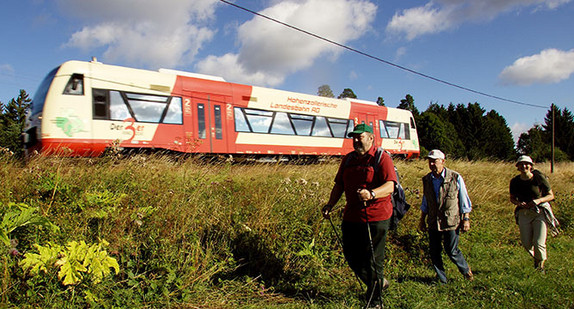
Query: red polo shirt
{"type": "Point", "coordinates": [358, 173]}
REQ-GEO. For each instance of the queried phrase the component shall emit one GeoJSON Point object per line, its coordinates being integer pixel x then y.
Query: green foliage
{"type": "Point", "coordinates": [408, 103]}
{"type": "Point", "coordinates": [187, 234]}
{"type": "Point", "coordinates": [12, 122]}
{"type": "Point", "coordinates": [72, 261]}
{"type": "Point", "coordinates": [325, 91]}
{"type": "Point", "coordinates": [347, 93]}
{"type": "Point", "coordinates": [43, 261]}
{"type": "Point", "coordinates": [463, 131]}
{"type": "Point", "coordinates": [537, 141]}
{"type": "Point", "coordinates": [17, 215]}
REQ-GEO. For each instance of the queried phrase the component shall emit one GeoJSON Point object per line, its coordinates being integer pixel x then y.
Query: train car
{"type": "Point", "coordinates": [85, 108]}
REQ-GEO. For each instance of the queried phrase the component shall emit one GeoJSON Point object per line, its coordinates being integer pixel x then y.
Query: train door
{"type": "Point", "coordinates": [369, 119]}
{"type": "Point", "coordinates": [209, 122]}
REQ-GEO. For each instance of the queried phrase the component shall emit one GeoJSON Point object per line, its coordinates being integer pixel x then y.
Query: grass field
{"type": "Point", "coordinates": [188, 234]}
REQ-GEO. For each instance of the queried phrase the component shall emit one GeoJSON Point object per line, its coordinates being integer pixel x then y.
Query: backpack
{"type": "Point", "coordinates": [398, 198]}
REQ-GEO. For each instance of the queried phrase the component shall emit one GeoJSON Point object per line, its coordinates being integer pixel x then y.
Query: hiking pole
{"type": "Point", "coordinates": [377, 281]}
{"type": "Point", "coordinates": [341, 244]}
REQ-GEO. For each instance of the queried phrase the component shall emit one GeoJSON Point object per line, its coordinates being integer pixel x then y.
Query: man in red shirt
{"type": "Point", "coordinates": [368, 186]}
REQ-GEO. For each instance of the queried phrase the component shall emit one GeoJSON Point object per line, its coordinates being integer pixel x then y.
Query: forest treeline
{"type": "Point", "coordinates": [462, 131]}
{"type": "Point", "coordinates": [470, 132]}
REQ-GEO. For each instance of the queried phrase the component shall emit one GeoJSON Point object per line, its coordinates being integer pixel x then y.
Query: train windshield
{"type": "Point", "coordinates": [40, 95]}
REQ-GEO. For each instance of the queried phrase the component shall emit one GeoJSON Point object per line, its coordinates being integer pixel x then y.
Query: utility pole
{"type": "Point", "coordinates": [553, 124]}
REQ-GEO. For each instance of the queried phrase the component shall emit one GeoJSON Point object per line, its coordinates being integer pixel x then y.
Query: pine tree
{"type": "Point", "coordinates": [347, 93]}
{"type": "Point", "coordinates": [13, 121]}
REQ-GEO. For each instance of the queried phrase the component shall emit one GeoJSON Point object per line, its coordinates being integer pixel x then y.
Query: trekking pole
{"type": "Point", "coordinates": [341, 244]}
{"type": "Point", "coordinates": [377, 281]}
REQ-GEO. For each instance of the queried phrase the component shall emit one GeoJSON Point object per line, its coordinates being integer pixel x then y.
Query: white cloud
{"type": "Point", "coordinates": [227, 67]}
{"type": "Point", "coordinates": [144, 32]}
{"type": "Point", "coordinates": [440, 15]}
{"type": "Point", "coordinates": [550, 66]}
{"type": "Point", "coordinates": [269, 51]}
{"type": "Point", "coordinates": [517, 129]}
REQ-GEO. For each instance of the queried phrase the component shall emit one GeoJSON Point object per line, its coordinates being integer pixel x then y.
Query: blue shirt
{"type": "Point", "coordinates": [465, 205]}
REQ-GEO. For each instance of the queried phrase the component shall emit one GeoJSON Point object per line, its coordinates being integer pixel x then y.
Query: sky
{"type": "Point", "coordinates": [512, 56]}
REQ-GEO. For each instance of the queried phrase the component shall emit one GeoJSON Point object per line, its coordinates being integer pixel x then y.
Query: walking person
{"type": "Point", "coordinates": [368, 184]}
{"type": "Point", "coordinates": [445, 211]}
{"type": "Point", "coordinates": [530, 192]}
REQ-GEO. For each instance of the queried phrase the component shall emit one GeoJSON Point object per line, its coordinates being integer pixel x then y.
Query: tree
{"type": "Point", "coordinates": [532, 143]}
{"type": "Point", "coordinates": [436, 133]}
{"type": "Point", "coordinates": [468, 121]}
{"type": "Point", "coordinates": [408, 103]}
{"type": "Point", "coordinates": [563, 129]}
{"type": "Point", "coordinates": [347, 93]}
{"type": "Point", "coordinates": [381, 101]}
{"type": "Point", "coordinates": [325, 91]}
{"type": "Point", "coordinates": [497, 141]}
{"type": "Point", "coordinates": [465, 131]}
{"type": "Point", "coordinates": [12, 122]}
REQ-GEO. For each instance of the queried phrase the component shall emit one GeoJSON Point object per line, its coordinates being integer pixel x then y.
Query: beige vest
{"type": "Point", "coordinates": [444, 214]}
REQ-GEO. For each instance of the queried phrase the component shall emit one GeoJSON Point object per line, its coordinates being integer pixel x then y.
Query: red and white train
{"type": "Point", "coordinates": [84, 108]}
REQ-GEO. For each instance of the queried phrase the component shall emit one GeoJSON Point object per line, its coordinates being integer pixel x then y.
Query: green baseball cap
{"type": "Point", "coordinates": [360, 128]}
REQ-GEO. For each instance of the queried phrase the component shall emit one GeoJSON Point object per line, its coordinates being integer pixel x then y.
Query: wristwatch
{"type": "Point", "coordinates": [465, 219]}
{"type": "Point", "coordinates": [373, 194]}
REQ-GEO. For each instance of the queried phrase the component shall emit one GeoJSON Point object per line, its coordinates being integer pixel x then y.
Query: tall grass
{"type": "Point", "coordinates": [192, 234]}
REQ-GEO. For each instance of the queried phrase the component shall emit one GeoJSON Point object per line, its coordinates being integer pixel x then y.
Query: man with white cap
{"type": "Point", "coordinates": [445, 210]}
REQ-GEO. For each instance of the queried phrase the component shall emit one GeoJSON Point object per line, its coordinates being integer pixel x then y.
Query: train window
{"type": "Point", "coordinates": [174, 112]}
{"type": "Point", "coordinates": [100, 98]}
{"type": "Point", "coordinates": [118, 108]}
{"type": "Point", "coordinates": [147, 108]}
{"type": "Point", "coordinates": [302, 123]}
{"type": "Point", "coordinates": [413, 123]}
{"type": "Point", "coordinates": [338, 126]}
{"type": "Point", "coordinates": [393, 128]}
{"type": "Point", "coordinates": [260, 121]}
{"type": "Point", "coordinates": [407, 131]}
{"type": "Point", "coordinates": [241, 124]}
{"type": "Point", "coordinates": [282, 125]}
{"type": "Point", "coordinates": [201, 121]}
{"type": "Point", "coordinates": [217, 116]}
{"type": "Point", "coordinates": [320, 128]}
{"type": "Point", "coordinates": [39, 99]}
{"type": "Point", "coordinates": [383, 129]}
{"type": "Point", "coordinates": [75, 85]}
{"type": "Point", "coordinates": [350, 127]}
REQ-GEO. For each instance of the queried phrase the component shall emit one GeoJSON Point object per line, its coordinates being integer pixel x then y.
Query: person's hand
{"type": "Point", "coordinates": [364, 195]}
{"type": "Point", "coordinates": [465, 225]}
{"type": "Point", "coordinates": [326, 211]}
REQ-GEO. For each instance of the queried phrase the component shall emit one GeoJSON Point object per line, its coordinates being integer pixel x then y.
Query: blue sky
{"type": "Point", "coordinates": [520, 50]}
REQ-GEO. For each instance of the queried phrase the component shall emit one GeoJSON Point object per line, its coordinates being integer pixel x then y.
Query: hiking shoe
{"type": "Point", "coordinates": [469, 276]}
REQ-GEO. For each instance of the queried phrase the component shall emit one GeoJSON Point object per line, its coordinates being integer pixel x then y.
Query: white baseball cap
{"type": "Point", "coordinates": [435, 154]}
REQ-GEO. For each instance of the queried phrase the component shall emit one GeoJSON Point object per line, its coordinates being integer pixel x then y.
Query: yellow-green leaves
{"type": "Point", "coordinates": [73, 262]}
{"type": "Point", "coordinates": [43, 261]}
